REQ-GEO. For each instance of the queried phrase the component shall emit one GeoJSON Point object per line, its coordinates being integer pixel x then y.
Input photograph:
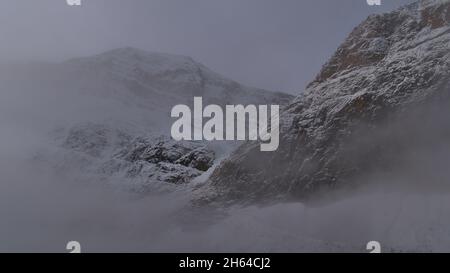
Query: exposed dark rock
{"type": "Point", "coordinates": [150, 159]}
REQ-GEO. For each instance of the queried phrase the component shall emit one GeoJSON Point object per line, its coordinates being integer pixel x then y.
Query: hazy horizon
{"type": "Point", "coordinates": [265, 44]}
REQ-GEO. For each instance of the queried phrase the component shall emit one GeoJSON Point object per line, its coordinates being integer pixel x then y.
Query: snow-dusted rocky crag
{"type": "Point", "coordinates": [110, 113]}
{"type": "Point", "coordinates": [390, 64]}
{"type": "Point", "coordinates": [139, 163]}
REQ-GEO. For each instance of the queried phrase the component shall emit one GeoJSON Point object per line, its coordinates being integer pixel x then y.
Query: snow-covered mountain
{"type": "Point", "coordinates": [161, 80]}
{"type": "Point", "coordinates": [109, 114]}
{"type": "Point", "coordinates": [128, 85]}
{"type": "Point", "coordinates": [356, 117]}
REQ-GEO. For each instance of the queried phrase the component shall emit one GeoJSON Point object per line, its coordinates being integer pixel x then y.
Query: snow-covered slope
{"type": "Point", "coordinates": [160, 80]}
{"type": "Point", "coordinates": [332, 133]}
{"type": "Point", "coordinates": [127, 85]}
{"type": "Point", "coordinates": [109, 114]}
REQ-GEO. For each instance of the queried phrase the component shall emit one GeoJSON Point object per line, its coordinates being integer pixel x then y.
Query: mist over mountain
{"type": "Point", "coordinates": [97, 128]}
{"type": "Point", "coordinates": [86, 153]}
{"type": "Point", "coordinates": [139, 87]}
{"type": "Point", "coordinates": [109, 114]}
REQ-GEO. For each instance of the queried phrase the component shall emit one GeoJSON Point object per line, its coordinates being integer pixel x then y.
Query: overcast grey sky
{"type": "Point", "coordinates": [272, 44]}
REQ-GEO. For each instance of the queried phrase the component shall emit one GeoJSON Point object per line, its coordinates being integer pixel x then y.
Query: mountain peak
{"type": "Point", "coordinates": [382, 34]}
{"type": "Point", "coordinates": [130, 59]}
{"type": "Point", "coordinates": [140, 54]}
{"type": "Point", "coordinates": [165, 77]}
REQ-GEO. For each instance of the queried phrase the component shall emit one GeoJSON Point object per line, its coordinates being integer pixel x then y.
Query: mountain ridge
{"type": "Point", "coordinates": [389, 64]}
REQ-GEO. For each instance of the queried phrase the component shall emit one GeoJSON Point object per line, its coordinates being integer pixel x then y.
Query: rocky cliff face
{"type": "Point", "coordinates": [390, 64]}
